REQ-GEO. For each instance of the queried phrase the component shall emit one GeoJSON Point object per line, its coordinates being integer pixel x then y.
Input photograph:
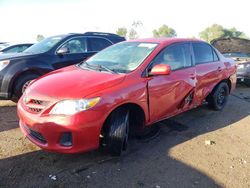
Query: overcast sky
{"type": "Point", "coordinates": [22, 20]}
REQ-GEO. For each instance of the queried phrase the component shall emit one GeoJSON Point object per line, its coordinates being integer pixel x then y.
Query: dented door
{"type": "Point", "coordinates": [173, 93]}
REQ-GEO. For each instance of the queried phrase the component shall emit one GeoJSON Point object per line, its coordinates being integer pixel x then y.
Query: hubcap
{"type": "Point", "coordinates": [25, 86]}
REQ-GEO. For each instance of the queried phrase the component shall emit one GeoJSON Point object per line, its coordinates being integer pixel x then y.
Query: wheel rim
{"type": "Point", "coordinates": [25, 85]}
{"type": "Point", "coordinates": [221, 97]}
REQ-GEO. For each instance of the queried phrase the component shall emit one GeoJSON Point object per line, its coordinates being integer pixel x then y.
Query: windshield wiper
{"type": "Point", "coordinates": [82, 62]}
{"type": "Point", "coordinates": [99, 67]}
{"type": "Point", "coordinates": [107, 69]}
{"type": "Point", "coordinates": [86, 65]}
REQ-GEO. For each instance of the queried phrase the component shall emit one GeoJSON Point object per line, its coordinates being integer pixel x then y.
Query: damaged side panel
{"type": "Point", "coordinates": [171, 94]}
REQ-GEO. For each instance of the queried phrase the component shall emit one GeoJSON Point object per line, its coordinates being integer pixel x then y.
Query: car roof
{"type": "Point", "coordinates": [111, 36]}
{"type": "Point", "coordinates": [166, 41]}
{"type": "Point", "coordinates": [19, 44]}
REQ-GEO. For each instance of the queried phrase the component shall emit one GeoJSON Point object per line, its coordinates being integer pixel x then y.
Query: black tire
{"type": "Point", "coordinates": [19, 85]}
{"type": "Point", "coordinates": [118, 132]}
{"type": "Point", "coordinates": [218, 98]}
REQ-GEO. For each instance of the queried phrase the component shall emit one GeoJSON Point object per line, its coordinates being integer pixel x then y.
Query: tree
{"type": "Point", "coordinates": [132, 34]}
{"type": "Point", "coordinates": [137, 24]}
{"type": "Point", "coordinates": [233, 32]}
{"type": "Point", "coordinates": [164, 31]}
{"type": "Point", "coordinates": [216, 31]}
{"type": "Point", "coordinates": [122, 31]}
{"type": "Point", "coordinates": [39, 37]}
{"type": "Point", "coordinates": [212, 32]}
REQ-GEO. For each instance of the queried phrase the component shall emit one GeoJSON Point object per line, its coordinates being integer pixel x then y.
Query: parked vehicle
{"type": "Point", "coordinates": [17, 70]}
{"type": "Point", "coordinates": [3, 45]}
{"type": "Point", "coordinates": [15, 48]}
{"type": "Point", "coordinates": [239, 50]}
{"type": "Point", "coordinates": [122, 90]}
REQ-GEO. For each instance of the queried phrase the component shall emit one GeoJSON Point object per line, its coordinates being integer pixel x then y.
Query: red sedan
{"type": "Point", "coordinates": [120, 91]}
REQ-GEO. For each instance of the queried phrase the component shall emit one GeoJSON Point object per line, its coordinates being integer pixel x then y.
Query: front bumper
{"type": "Point", "coordinates": [243, 73]}
{"type": "Point", "coordinates": [243, 79]}
{"type": "Point", "coordinates": [47, 131]}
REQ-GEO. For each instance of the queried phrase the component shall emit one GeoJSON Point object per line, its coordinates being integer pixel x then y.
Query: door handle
{"type": "Point", "coordinates": [219, 69]}
{"type": "Point", "coordinates": [192, 76]}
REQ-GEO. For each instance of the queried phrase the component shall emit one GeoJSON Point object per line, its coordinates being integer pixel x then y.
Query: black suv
{"type": "Point", "coordinates": [17, 70]}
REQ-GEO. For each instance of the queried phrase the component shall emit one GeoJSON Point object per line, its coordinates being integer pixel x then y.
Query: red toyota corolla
{"type": "Point", "coordinates": [120, 91]}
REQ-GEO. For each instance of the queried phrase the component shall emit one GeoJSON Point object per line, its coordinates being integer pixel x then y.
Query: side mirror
{"type": "Point", "coordinates": [63, 50]}
{"type": "Point", "coordinates": [160, 69]}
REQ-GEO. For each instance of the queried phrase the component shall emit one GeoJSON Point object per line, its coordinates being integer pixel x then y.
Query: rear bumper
{"type": "Point", "coordinates": [47, 131]}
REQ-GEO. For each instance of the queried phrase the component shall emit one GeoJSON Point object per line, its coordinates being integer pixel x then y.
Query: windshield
{"type": "Point", "coordinates": [237, 54]}
{"type": "Point", "coordinates": [44, 46]}
{"type": "Point", "coordinates": [121, 58]}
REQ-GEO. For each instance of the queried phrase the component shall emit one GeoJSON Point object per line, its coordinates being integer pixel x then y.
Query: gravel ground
{"type": "Point", "coordinates": [199, 148]}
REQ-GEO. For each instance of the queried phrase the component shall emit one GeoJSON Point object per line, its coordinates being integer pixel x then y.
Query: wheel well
{"type": "Point", "coordinates": [136, 118]}
{"type": "Point", "coordinates": [228, 81]}
{"type": "Point", "coordinates": [20, 75]}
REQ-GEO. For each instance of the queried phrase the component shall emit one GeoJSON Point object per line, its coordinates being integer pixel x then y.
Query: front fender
{"type": "Point", "coordinates": [15, 70]}
{"type": "Point", "coordinates": [134, 92]}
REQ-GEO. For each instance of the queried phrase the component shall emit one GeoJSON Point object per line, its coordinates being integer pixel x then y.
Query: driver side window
{"type": "Point", "coordinates": [177, 56]}
{"type": "Point", "coordinates": [76, 45]}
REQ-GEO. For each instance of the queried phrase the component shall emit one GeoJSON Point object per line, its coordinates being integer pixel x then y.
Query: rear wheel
{"type": "Point", "coordinates": [218, 98]}
{"type": "Point", "coordinates": [118, 132]}
{"type": "Point", "coordinates": [21, 84]}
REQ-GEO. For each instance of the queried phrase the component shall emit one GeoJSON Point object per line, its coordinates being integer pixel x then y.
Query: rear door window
{"type": "Point", "coordinates": [216, 58]}
{"type": "Point", "coordinates": [203, 53]}
{"type": "Point", "coordinates": [97, 44]}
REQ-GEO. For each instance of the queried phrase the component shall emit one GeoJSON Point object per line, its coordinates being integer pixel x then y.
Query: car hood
{"type": "Point", "coordinates": [72, 83]}
{"type": "Point", "coordinates": [10, 56]}
{"type": "Point", "coordinates": [232, 44]}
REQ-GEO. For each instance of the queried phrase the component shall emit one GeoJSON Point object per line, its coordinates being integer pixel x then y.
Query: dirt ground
{"type": "Point", "coordinates": [200, 148]}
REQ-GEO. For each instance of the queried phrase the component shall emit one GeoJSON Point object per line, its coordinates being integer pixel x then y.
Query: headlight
{"type": "Point", "coordinates": [3, 64]}
{"type": "Point", "coordinates": [70, 107]}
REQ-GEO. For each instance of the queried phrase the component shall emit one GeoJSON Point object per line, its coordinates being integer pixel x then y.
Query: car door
{"type": "Point", "coordinates": [173, 93]}
{"type": "Point", "coordinates": [77, 52]}
{"type": "Point", "coordinates": [208, 69]}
